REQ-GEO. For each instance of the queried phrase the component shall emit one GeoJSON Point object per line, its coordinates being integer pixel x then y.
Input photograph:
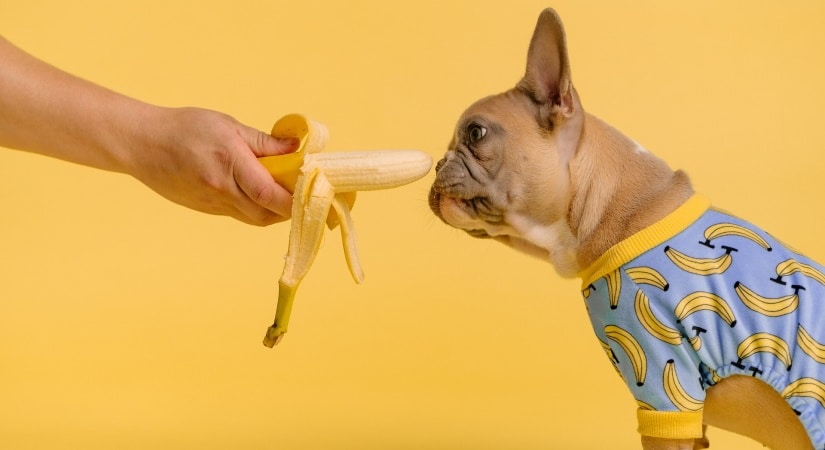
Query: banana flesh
{"type": "Point", "coordinates": [323, 187]}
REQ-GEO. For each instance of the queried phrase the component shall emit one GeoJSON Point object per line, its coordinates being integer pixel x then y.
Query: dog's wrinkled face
{"type": "Point", "coordinates": [502, 175]}
{"type": "Point", "coordinates": [506, 174]}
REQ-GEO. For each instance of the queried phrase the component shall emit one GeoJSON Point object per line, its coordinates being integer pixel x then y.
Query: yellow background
{"type": "Point", "coordinates": [128, 322]}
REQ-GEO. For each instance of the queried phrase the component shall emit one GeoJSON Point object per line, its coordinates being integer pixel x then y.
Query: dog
{"type": "Point", "coordinates": [707, 318]}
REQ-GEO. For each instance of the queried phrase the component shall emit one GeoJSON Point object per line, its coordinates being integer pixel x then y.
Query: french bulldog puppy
{"type": "Point", "coordinates": [708, 319]}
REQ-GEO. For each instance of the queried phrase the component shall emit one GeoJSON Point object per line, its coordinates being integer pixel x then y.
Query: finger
{"type": "Point", "coordinates": [242, 207]}
{"type": "Point", "coordinates": [263, 144]}
{"type": "Point", "coordinates": [261, 217]}
{"type": "Point", "coordinates": [259, 186]}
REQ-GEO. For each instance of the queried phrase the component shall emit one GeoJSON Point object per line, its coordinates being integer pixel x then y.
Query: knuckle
{"type": "Point", "coordinates": [260, 139]}
{"type": "Point", "coordinates": [263, 195]}
{"type": "Point", "coordinates": [212, 183]}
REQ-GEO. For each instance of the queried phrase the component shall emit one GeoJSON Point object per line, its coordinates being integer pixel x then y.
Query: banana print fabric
{"type": "Point", "coordinates": [702, 295]}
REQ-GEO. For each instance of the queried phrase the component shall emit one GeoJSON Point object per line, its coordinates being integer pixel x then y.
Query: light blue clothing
{"type": "Point", "coordinates": [703, 295]}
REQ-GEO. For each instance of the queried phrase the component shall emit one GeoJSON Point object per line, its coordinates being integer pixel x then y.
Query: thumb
{"type": "Point", "coordinates": [263, 144]}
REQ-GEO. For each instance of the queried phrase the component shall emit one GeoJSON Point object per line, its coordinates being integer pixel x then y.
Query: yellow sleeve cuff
{"type": "Point", "coordinates": [670, 424]}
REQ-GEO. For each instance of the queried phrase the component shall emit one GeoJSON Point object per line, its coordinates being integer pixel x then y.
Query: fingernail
{"type": "Point", "coordinates": [291, 141]}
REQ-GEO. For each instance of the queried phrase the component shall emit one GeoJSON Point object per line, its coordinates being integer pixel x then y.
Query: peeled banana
{"type": "Point", "coordinates": [320, 182]}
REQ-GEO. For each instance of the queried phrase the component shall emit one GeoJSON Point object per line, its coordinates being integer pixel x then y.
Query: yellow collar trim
{"type": "Point", "coordinates": [644, 240]}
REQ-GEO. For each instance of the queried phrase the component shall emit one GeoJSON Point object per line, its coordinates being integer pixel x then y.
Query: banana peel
{"type": "Point", "coordinates": [312, 137]}
{"type": "Point", "coordinates": [324, 186]}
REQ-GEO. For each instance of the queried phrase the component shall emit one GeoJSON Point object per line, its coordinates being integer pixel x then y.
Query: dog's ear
{"type": "Point", "coordinates": [547, 79]}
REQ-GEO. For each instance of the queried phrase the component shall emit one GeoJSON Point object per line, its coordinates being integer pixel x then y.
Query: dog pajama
{"type": "Point", "coordinates": [702, 295]}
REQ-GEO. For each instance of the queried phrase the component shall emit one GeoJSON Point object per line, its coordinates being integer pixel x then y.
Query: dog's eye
{"type": "Point", "coordinates": [476, 132]}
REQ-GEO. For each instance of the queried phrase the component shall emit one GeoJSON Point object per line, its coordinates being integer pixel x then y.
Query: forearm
{"type": "Point", "coordinates": [202, 159]}
{"type": "Point", "coordinates": [48, 111]}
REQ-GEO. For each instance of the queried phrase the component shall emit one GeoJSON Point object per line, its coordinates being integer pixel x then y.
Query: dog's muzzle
{"type": "Point", "coordinates": [456, 183]}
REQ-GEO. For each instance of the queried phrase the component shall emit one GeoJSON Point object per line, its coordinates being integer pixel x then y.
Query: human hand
{"type": "Point", "coordinates": [207, 161]}
{"type": "Point", "coordinates": [198, 158]}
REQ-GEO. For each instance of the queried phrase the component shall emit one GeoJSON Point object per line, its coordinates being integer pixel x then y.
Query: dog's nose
{"type": "Point", "coordinates": [452, 179]}
{"type": "Point", "coordinates": [449, 156]}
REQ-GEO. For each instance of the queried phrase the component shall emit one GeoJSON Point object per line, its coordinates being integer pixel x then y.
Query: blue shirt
{"type": "Point", "coordinates": [702, 295]}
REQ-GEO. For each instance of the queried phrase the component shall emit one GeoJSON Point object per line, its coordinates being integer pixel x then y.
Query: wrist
{"type": "Point", "coordinates": [138, 134]}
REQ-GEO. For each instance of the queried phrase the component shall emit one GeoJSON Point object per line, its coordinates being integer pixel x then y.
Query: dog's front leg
{"type": "Point", "coordinates": [703, 441]}
{"type": "Point", "coordinates": [652, 443]}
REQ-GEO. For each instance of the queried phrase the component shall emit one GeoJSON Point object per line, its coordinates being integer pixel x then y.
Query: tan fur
{"type": "Point", "coordinates": [618, 191]}
{"type": "Point", "coordinates": [555, 182]}
{"type": "Point", "coordinates": [748, 406]}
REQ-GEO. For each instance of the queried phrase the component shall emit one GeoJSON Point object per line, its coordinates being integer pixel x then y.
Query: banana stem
{"type": "Point", "coordinates": [286, 297]}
